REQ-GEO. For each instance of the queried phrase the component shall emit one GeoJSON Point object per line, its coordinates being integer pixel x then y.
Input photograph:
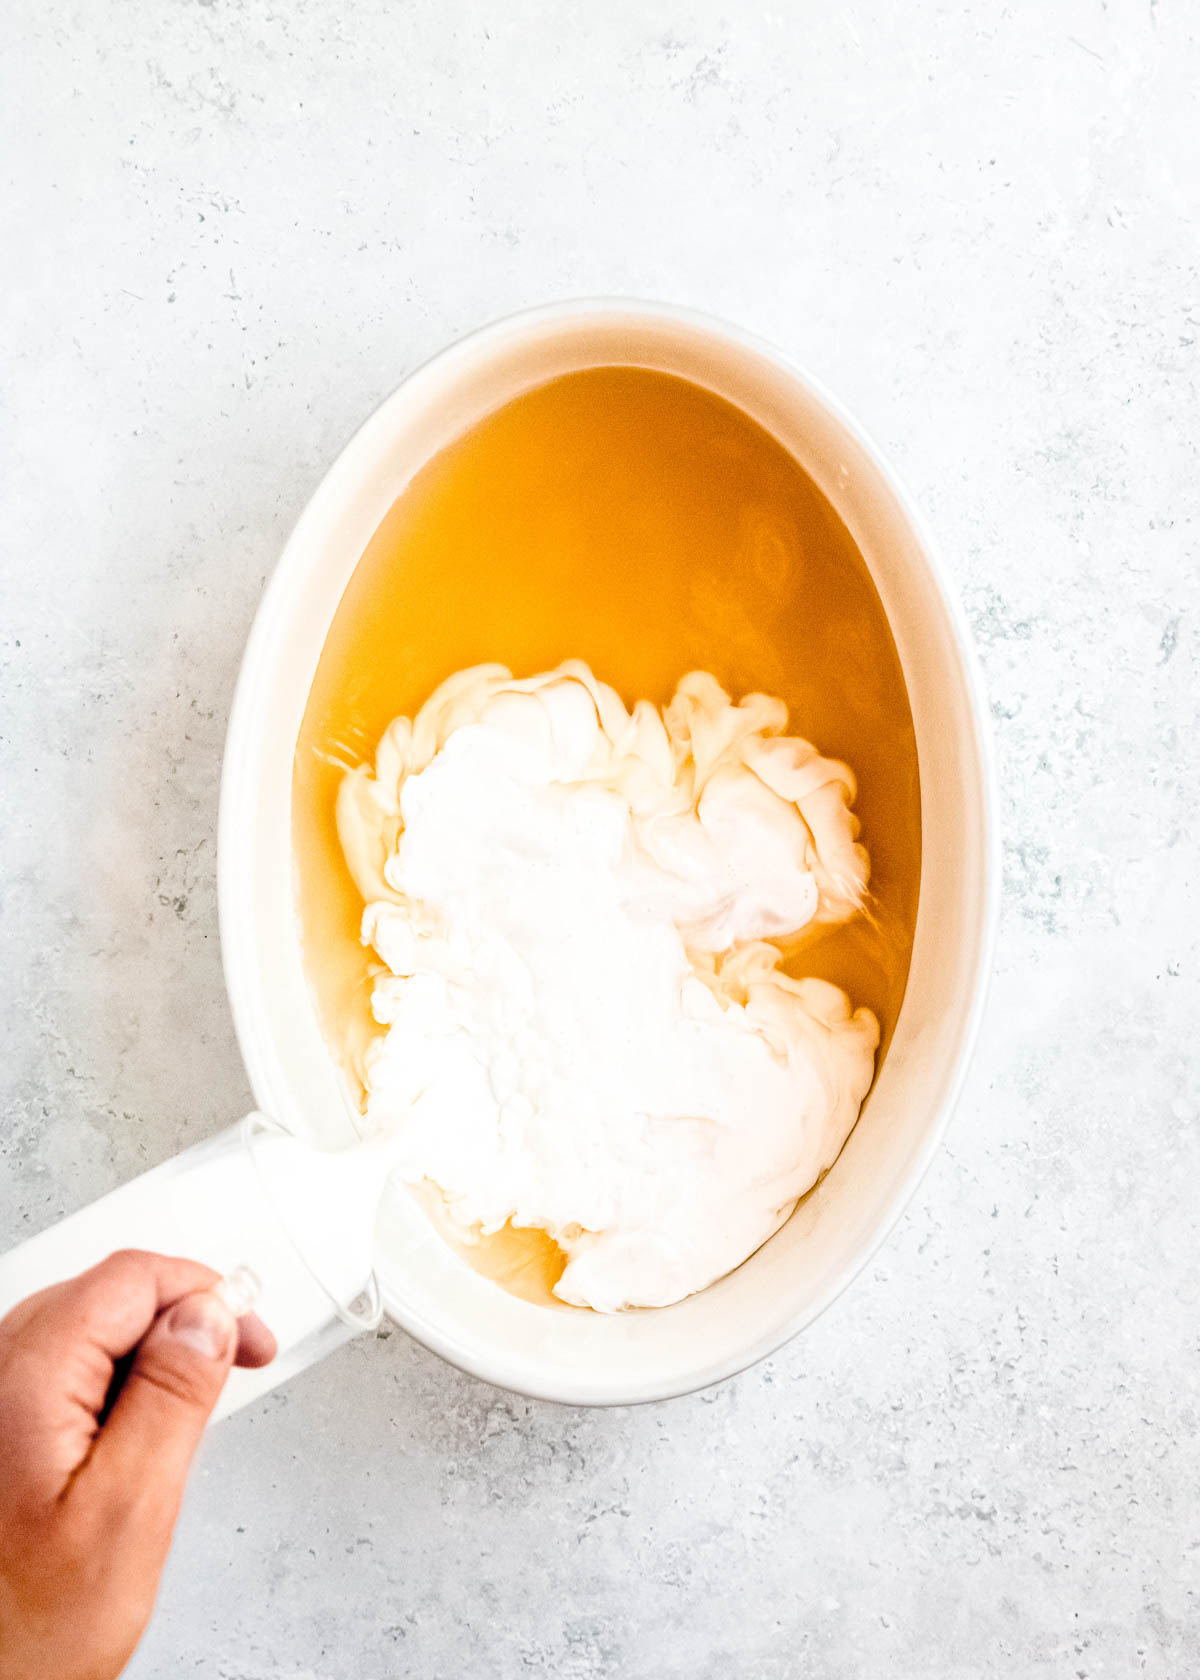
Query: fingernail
{"type": "Point", "coordinates": [202, 1322]}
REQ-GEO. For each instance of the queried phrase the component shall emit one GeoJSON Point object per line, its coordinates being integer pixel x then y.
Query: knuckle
{"type": "Point", "coordinates": [178, 1379]}
{"type": "Point", "coordinates": [126, 1260]}
{"type": "Point", "coordinates": [121, 1269]}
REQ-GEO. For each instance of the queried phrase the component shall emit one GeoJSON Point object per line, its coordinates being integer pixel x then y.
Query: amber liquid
{"type": "Point", "coordinates": [638, 522]}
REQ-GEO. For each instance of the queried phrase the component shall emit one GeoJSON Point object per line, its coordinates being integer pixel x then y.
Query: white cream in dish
{"type": "Point", "coordinates": [580, 911]}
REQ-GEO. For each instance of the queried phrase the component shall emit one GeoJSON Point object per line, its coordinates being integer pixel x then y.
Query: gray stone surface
{"type": "Point", "coordinates": [230, 229]}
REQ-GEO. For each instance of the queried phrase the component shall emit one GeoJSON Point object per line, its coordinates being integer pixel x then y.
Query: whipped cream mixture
{"type": "Point", "coordinates": [581, 913]}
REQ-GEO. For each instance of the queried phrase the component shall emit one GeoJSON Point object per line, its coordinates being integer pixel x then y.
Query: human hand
{"type": "Point", "coordinates": [106, 1384]}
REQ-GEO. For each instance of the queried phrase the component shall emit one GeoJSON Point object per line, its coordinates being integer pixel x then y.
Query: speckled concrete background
{"type": "Point", "coordinates": [231, 228]}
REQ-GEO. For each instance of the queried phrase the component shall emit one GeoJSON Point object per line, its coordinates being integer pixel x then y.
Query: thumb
{"type": "Point", "coordinates": [144, 1451]}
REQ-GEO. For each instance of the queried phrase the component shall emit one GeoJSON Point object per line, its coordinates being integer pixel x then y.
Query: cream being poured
{"type": "Point", "coordinates": [585, 1028]}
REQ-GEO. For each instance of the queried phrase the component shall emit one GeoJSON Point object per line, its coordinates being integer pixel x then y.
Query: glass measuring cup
{"type": "Point", "coordinates": [292, 1221]}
